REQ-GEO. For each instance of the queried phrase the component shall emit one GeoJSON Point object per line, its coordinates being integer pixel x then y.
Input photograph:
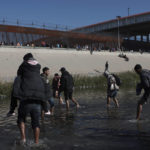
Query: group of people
{"type": "Point", "coordinates": [33, 91]}
{"type": "Point", "coordinates": [113, 83]}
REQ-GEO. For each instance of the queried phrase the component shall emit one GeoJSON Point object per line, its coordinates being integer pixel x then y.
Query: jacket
{"type": "Point", "coordinates": [66, 82]}
{"type": "Point", "coordinates": [145, 79]}
{"type": "Point", "coordinates": [47, 86]}
{"type": "Point", "coordinates": [55, 84]}
{"type": "Point", "coordinates": [29, 84]}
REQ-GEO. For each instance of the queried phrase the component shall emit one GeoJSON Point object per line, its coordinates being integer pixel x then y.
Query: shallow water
{"type": "Point", "coordinates": [92, 127]}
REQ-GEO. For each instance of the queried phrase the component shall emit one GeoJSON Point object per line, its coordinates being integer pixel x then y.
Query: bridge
{"type": "Point", "coordinates": [134, 27]}
{"type": "Point", "coordinates": [132, 32]}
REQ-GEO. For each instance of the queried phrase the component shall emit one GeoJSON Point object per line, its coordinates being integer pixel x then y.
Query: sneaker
{"type": "Point", "coordinates": [10, 114]}
{"type": "Point", "coordinates": [48, 113]}
{"type": "Point", "coordinates": [21, 142]}
{"type": "Point", "coordinates": [63, 103]}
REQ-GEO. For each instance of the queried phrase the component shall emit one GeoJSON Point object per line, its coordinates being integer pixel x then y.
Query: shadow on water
{"type": "Point", "coordinates": [92, 127]}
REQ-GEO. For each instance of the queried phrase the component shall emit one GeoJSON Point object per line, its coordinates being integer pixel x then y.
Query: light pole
{"type": "Point", "coordinates": [118, 18]}
{"type": "Point", "coordinates": [128, 11]}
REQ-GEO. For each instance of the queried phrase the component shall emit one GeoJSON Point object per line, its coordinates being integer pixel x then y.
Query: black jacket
{"type": "Point", "coordinates": [29, 84]}
{"type": "Point", "coordinates": [55, 83]}
{"type": "Point", "coordinates": [48, 93]}
{"type": "Point", "coordinates": [66, 82]}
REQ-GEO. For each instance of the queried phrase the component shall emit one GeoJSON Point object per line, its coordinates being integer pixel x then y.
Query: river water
{"type": "Point", "coordinates": [92, 127]}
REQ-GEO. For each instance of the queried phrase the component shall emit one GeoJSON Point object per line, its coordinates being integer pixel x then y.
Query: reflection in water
{"type": "Point", "coordinates": [113, 113]}
{"type": "Point", "coordinates": [91, 127]}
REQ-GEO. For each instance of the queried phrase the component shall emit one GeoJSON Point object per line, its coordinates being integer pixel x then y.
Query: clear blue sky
{"type": "Point", "coordinates": [74, 13]}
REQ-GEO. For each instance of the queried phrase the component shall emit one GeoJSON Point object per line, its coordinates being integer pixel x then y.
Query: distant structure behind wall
{"type": "Point", "coordinates": [134, 30]}
{"type": "Point", "coordinates": [31, 36]}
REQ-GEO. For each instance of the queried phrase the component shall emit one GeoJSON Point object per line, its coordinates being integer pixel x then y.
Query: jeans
{"type": "Point", "coordinates": [34, 109]}
{"type": "Point", "coordinates": [45, 106]}
{"type": "Point", "coordinates": [51, 102]}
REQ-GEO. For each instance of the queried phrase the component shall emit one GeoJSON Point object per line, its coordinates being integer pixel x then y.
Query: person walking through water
{"type": "Point", "coordinates": [66, 86]}
{"type": "Point", "coordinates": [55, 87]}
{"type": "Point", "coordinates": [144, 84]}
{"type": "Point", "coordinates": [31, 93]}
{"type": "Point", "coordinates": [112, 87]}
{"type": "Point", "coordinates": [48, 93]}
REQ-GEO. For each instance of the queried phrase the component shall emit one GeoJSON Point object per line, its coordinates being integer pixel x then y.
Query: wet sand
{"type": "Point", "coordinates": [76, 62]}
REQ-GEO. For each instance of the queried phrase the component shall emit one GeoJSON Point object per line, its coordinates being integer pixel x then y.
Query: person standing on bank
{"type": "Point", "coordinates": [48, 93]}
{"type": "Point", "coordinates": [66, 86]}
{"type": "Point", "coordinates": [31, 95]}
{"type": "Point", "coordinates": [144, 84]}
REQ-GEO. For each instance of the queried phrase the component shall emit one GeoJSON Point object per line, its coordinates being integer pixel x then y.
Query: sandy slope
{"type": "Point", "coordinates": [76, 62]}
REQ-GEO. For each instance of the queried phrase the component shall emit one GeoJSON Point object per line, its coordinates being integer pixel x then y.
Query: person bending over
{"type": "Point", "coordinates": [144, 84]}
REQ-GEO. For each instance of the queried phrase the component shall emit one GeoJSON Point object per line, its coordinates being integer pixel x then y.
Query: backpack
{"type": "Point", "coordinates": [118, 81]}
{"type": "Point", "coordinates": [146, 74]}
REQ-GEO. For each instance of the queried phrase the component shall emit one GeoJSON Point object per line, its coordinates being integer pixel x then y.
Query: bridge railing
{"type": "Point", "coordinates": [125, 21]}
{"type": "Point", "coordinates": [35, 24]}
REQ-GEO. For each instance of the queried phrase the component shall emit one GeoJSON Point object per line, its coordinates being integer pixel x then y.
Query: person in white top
{"type": "Point", "coordinates": [112, 87]}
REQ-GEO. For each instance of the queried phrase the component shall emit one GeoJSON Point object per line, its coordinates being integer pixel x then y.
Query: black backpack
{"type": "Point", "coordinates": [118, 81]}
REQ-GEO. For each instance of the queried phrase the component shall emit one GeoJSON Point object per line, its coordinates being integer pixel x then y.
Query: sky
{"type": "Point", "coordinates": [71, 13]}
